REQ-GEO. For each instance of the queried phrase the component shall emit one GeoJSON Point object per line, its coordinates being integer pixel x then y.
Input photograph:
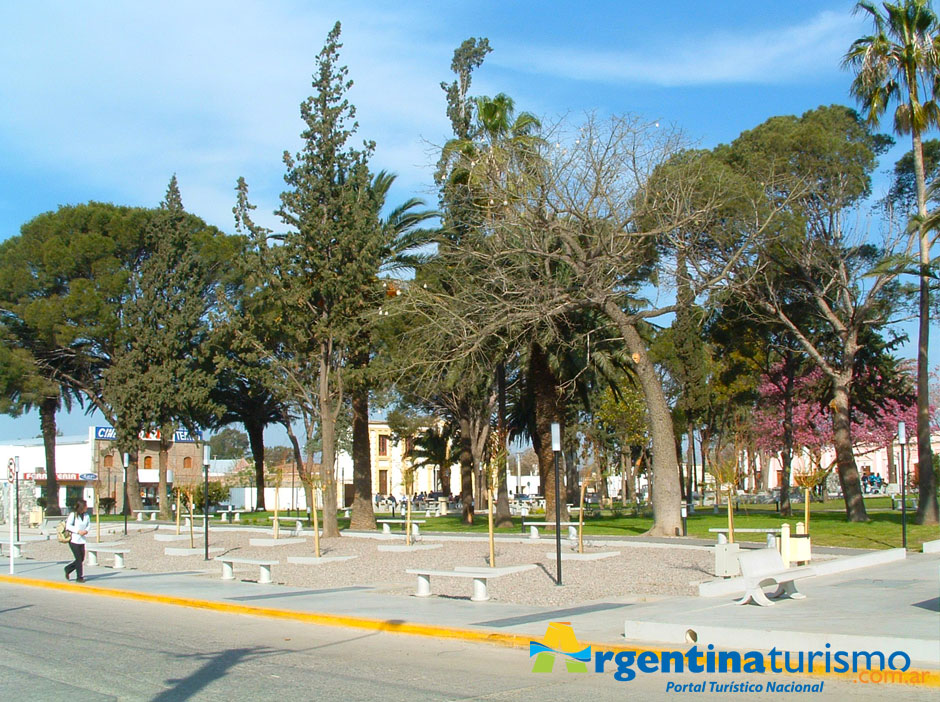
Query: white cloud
{"type": "Point", "coordinates": [785, 54]}
{"type": "Point", "coordinates": [119, 96]}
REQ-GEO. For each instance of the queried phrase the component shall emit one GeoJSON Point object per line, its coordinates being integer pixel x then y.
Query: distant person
{"type": "Point", "coordinates": [78, 524]}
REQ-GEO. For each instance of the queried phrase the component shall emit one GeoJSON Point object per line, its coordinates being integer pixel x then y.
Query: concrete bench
{"type": "Point", "coordinates": [765, 567]}
{"type": "Point", "coordinates": [415, 528]}
{"type": "Point", "coordinates": [50, 523]}
{"type": "Point", "coordinates": [896, 502]}
{"type": "Point", "coordinates": [141, 512]}
{"type": "Point", "coordinates": [771, 534]}
{"type": "Point", "coordinates": [298, 523]}
{"type": "Point", "coordinates": [234, 514]}
{"type": "Point", "coordinates": [479, 578]}
{"type": "Point", "coordinates": [15, 547]}
{"type": "Point", "coordinates": [534, 528]}
{"type": "Point", "coordinates": [94, 549]}
{"type": "Point", "coordinates": [228, 572]}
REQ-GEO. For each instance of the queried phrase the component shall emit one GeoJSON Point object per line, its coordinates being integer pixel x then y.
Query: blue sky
{"type": "Point", "coordinates": [105, 101]}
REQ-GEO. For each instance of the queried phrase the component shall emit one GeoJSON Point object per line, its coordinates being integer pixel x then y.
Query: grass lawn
{"type": "Point", "coordinates": [828, 526]}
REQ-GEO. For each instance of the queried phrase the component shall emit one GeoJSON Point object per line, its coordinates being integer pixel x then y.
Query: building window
{"type": "Point", "coordinates": [109, 461]}
{"type": "Point", "coordinates": [187, 463]}
{"type": "Point", "coordinates": [383, 445]}
{"type": "Point", "coordinates": [148, 463]}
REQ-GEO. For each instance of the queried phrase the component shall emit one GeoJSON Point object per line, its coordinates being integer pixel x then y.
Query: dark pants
{"type": "Point", "coordinates": [78, 551]}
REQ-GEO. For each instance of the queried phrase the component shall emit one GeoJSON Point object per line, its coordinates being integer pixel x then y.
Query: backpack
{"type": "Point", "coordinates": [62, 534]}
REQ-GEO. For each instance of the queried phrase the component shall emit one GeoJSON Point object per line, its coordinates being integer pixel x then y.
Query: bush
{"type": "Point", "coordinates": [106, 504]}
{"type": "Point", "coordinates": [218, 493]}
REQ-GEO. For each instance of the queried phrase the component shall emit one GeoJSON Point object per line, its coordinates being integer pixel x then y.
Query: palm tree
{"type": "Point", "coordinates": [900, 63]}
{"type": "Point", "coordinates": [432, 448]}
{"type": "Point", "coordinates": [401, 237]}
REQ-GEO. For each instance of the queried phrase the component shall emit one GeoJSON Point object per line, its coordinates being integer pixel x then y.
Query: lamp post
{"type": "Point", "coordinates": [124, 507]}
{"type": "Point", "coordinates": [206, 453]}
{"type": "Point", "coordinates": [902, 439]}
{"type": "Point", "coordinates": [556, 450]}
{"type": "Point", "coordinates": [14, 468]}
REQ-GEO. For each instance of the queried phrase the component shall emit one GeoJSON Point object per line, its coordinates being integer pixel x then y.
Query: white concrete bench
{"type": "Point", "coordinates": [534, 528]}
{"type": "Point", "coordinates": [298, 523]}
{"type": "Point", "coordinates": [415, 528]}
{"type": "Point", "coordinates": [49, 523]}
{"type": "Point", "coordinates": [479, 578]}
{"type": "Point", "coordinates": [765, 567]}
{"type": "Point", "coordinates": [228, 572]}
{"type": "Point", "coordinates": [910, 499]}
{"type": "Point", "coordinates": [234, 514]}
{"type": "Point", "coordinates": [15, 546]}
{"type": "Point", "coordinates": [141, 512]}
{"type": "Point", "coordinates": [771, 534]}
{"type": "Point", "coordinates": [94, 549]}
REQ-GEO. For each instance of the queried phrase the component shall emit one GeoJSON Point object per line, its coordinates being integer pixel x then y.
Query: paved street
{"type": "Point", "coordinates": [59, 645]}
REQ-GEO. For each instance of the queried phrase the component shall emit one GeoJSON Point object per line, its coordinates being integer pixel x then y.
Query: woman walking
{"type": "Point", "coordinates": [77, 523]}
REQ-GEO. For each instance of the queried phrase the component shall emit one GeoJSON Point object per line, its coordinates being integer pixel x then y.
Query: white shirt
{"type": "Point", "coordinates": [75, 524]}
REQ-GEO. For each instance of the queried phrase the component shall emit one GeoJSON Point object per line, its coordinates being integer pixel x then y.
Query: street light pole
{"type": "Point", "coordinates": [902, 439]}
{"type": "Point", "coordinates": [206, 452]}
{"type": "Point", "coordinates": [124, 509]}
{"type": "Point", "coordinates": [556, 450]}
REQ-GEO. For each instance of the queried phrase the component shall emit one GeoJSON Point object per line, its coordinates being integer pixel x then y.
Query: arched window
{"type": "Point", "coordinates": [109, 461]}
{"type": "Point", "coordinates": [148, 463]}
{"type": "Point", "coordinates": [188, 463]}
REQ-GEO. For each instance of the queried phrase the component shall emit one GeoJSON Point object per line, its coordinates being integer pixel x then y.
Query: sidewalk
{"type": "Point", "coordinates": [890, 607]}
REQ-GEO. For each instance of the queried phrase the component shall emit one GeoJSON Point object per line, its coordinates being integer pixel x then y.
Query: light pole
{"type": "Point", "coordinates": [206, 453]}
{"type": "Point", "coordinates": [14, 468]}
{"type": "Point", "coordinates": [127, 458]}
{"type": "Point", "coordinates": [902, 439]}
{"type": "Point", "coordinates": [556, 450]}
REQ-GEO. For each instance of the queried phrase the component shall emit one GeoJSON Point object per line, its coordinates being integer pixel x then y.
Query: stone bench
{"type": "Point", "coordinates": [235, 514]}
{"type": "Point", "coordinates": [15, 547]}
{"type": "Point", "coordinates": [415, 528]}
{"type": "Point", "coordinates": [141, 512]}
{"type": "Point", "coordinates": [94, 549]}
{"type": "Point", "coordinates": [766, 567]}
{"type": "Point", "coordinates": [478, 575]}
{"type": "Point", "coordinates": [534, 528]}
{"type": "Point", "coordinates": [298, 523]}
{"type": "Point", "coordinates": [228, 572]}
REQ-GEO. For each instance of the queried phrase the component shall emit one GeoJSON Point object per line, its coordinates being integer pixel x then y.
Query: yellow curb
{"type": "Point", "coordinates": [920, 677]}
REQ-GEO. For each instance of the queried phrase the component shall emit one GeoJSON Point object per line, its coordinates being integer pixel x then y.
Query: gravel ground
{"type": "Point", "coordinates": [638, 570]}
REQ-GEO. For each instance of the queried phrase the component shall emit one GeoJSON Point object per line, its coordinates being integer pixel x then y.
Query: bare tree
{"type": "Point", "coordinates": [594, 221]}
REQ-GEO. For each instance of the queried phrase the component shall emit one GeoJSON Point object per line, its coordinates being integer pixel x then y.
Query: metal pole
{"type": "Point", "coordinates": [556, 450]}
{"type": "Point", "coordinates": [205, 462]}
{"type": "Point", "coordinates": [16, 501]}
{"type": "Point", "coordinates": [14, 467]}
{"type": "Point", "coordinates": [124, 508]}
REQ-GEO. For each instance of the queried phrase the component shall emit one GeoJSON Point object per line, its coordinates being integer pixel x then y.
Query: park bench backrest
{"type": "Point", "coordinates": [764, 560]}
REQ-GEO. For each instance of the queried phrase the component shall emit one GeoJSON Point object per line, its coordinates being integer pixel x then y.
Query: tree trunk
{"type": "Point", "coordinates": [256, 441]}
{"type": "Point", "coordinates": [690, 467]}
{"type": "Point", "coordinates": [363, 514]}
{"type": "Point", "coordinates": [548, 408]}
{"type": "Point", "coordinates": [47, 410]}
{"type": "Point", "coordinates": [626, 487]}
{"type": "Point", "coordinates": [503, 513]}
{"type": "Point", "coordinates": [133, 481]}
{"type": "Point", "coordinates": [572, 478]}
{"type": "Point", "coordinates": [892, 469]}
{"type": "Point", "coordinates": [845, 456]}
{"type": "Point", "coordinates": [328, 448]}
{"type": "Point", "coordinates": [466, 469]}
{"type": "Point", "coordinates": [786, 456]}
{"type": "Point", "coordinates": [163, 462]}
{"type": "Point", "coordinates": [927, 507]}
{"type": "Point", "coordinates": [667, 516]}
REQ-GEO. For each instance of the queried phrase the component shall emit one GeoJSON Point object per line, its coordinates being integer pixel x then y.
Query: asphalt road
{"type": "Point", "coordinates": [63, 646]}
